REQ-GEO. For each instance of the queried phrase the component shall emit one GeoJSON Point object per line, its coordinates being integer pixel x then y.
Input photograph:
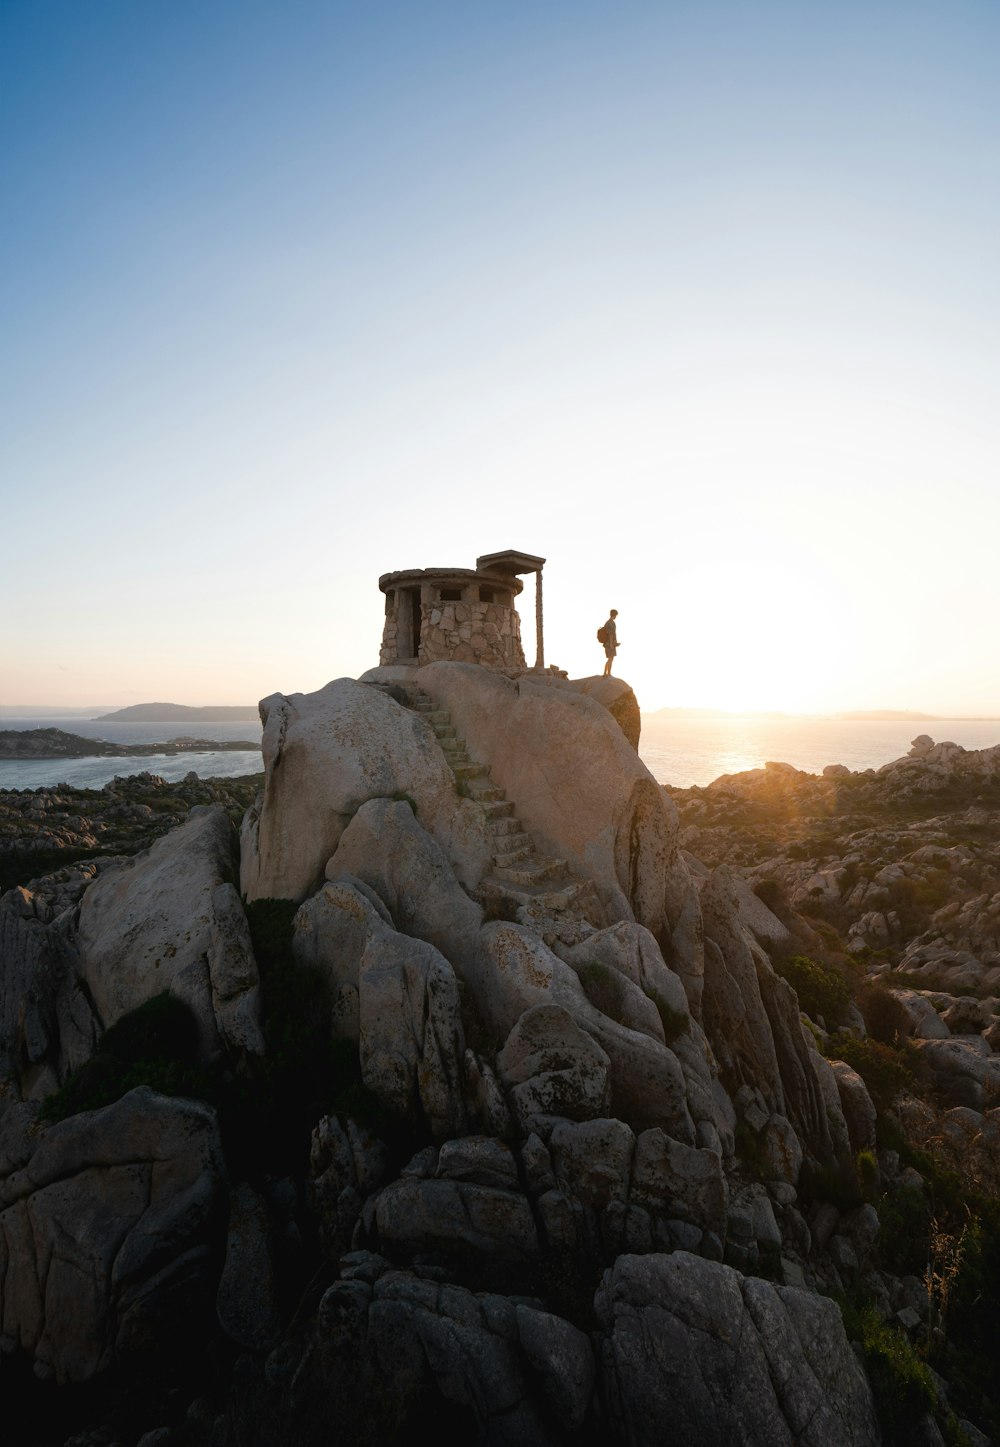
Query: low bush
{"type": "Point", "coordinates": [886, 1018]}
{"type": "Point", "coordinates": [901, 1383]}
{"type": "Point", "coordinates": [822, 990]}
{"type": "Point", "coordinates": [881, 1068]}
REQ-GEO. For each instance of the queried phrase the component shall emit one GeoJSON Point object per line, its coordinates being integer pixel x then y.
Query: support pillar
{"type": "Point", "coordinates": [539, 644]}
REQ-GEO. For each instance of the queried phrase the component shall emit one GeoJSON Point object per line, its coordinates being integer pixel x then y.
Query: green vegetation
{"type": "Point", "coordinates": [881, 1068]}
{"type": "Point", "coordinates": [822, 990]}
{"type": "Point", "coordinates": [901, 1382]}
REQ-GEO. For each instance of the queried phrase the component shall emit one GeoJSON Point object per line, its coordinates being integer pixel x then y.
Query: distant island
{"type": "Point", "coordinates": [181, 713]}
{"type": "Point", "coordinates": [55, 744]}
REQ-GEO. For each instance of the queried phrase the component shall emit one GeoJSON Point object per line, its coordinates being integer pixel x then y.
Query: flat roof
{"type": "Point", "coordinates": [510, 561]}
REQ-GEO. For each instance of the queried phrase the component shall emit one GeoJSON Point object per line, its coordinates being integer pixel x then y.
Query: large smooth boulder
{"type": "Point", "coordinates": [108, 1231]}
{"type": "Point", "coordinates": [326, 754]}
{"type": "Point", "coordinates": [386, 847]}
{"type": "Point", "coordinates": [578, 785]}
{"type": "Point", "coordinates": [410, 1037]}
{"type": "Point", "coordinates": [330, 933]}
{"type": "Point", "coordinates": [616, 696]}
{"type": "Point", "coordinates": [696, 1353]}
{"type": "Point", "coordinates": [551, 1067]}
{"type": "Point", "coordinates": [171, 919]}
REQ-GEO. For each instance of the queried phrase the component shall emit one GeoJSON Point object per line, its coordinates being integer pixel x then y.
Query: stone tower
{"type": "Point", "coordinates": [461, 615]}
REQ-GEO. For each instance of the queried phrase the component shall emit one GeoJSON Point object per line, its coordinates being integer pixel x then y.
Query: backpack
{"type": "Point", "coordinates": [602, 634]}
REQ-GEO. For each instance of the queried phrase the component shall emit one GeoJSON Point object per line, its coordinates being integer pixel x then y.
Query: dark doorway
{"type": "Point", "coordinates": [415, 621]}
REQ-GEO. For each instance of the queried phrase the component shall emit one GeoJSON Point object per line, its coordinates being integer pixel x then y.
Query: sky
{"type": "Point", "coordinates": [699, 301]}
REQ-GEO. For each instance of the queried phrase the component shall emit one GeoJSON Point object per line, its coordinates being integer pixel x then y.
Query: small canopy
{"type": "Point", "coordinates": [510, 561]}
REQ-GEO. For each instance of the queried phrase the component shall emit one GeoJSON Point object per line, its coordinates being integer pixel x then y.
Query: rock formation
{"type": "Point", "coordinates": [567, 1185]}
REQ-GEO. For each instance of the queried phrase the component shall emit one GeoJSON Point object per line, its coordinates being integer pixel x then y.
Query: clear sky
{"type": "Point", "coordinates": [700, 301]}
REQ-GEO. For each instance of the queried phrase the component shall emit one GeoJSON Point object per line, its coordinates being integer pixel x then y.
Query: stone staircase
{"type": "Point", "coordinates": [522, 884]}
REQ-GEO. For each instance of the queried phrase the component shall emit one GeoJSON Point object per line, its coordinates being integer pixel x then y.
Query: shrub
{"type": "Point", "coordinates": [901, 1382]}
{"type": "Point", "coordinates": [880, 1067]}
{"type": "Point", "coordinates": [822, 989]}
{"type": "Point", "coordinates": [866, 1165]}
{"type": "Point", "coordinates": [886, 1018]}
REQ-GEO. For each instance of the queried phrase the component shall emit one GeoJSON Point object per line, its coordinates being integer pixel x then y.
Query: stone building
{"type": "Point", "coordinates": [461, 615]}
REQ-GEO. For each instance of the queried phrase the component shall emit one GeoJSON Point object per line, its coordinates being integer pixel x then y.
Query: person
{"type": "Point", "coordinates": [610, 641]}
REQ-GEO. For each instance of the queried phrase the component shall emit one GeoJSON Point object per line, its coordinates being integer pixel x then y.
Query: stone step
{"type": "Point", "coordinates": [499, 809]}
{"type": "Point", "coordinates": [501, 824]}
{"type": "Point", "coordinates": [537, 872]}
{"type": "Point", "coordinates": [444, 731]}
{"type": "Point", "coordinates": [435, 716]}
{"type": "Point", "coordinates": [471, 771]}
{"type": "Point", "coordinates": [485, 793]}
{"type": "Point", "coordinates": [518, 853]}
{"type": "Point", "coordinates": [451, 748]}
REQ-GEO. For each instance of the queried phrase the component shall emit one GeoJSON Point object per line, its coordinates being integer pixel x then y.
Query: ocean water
{"type": "Point", "coordinates": [676, 751]}
{"type": "Point", "coordinates": [697, 750]}
{"type": "Point", "coordinates": [94, 773]}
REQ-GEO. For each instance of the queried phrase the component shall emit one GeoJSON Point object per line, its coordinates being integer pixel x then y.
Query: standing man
{"type": "Point", "coordinates": [610, 641]}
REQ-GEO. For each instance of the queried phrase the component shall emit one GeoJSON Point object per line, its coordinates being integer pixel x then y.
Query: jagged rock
{"type": "Point", "coordinates": [107, 1226]}
{"type": "Point", "coordinates": [518, 1376]}
{"type": "Point", "coordinates": [516, 971]}
{"type": "Point", "coordinates": [551, 1067]}
{"type": "Point", "coordinates": [479, 1160]}
{"type": "Point", "coordinates": [246, 1301]}
{"type": "Point", "coordinates": [859, 1111]}
{"type": "Point", "coordinates": [47, 1023]}
{"type": "Point", "coordinates": [695, 1352]}
{"type": "Point", "coordinates": [347, 1164]}
{"type": "Point", "coordinates": [680, 1181]}
{"type": "Point", "coordinates": [592, 1160]}
{"type": "Point", "coordinates": [330, 932]}
{"type": "Point", "coordinates": [411, 1041]}
{"type": "Point", "coordinates": [752, 1020]}
{"type": "Point", "coordinates": [326, 754]}
{"type": "Point", "coordinates": [455, 1223]}
{"type": "Point", "coordinates": [385, 846]}
{"type": "Point", "coordinates": [925, 1022]}
{"type": "Point", "coordinates": [633, 952]}
{"type": "Point", "coordinates": [755, 916]}
{"type": "Point", "coordinates": [170, 919]}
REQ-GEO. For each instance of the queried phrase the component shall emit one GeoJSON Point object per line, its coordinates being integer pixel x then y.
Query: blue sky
{"type": "Point", "coordinates": [699, 301]}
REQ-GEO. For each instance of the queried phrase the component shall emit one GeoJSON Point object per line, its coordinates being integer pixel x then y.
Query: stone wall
{"type": "Point", "coordinates": [462, 632]}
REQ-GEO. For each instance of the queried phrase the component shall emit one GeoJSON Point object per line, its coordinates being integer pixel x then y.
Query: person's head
{"type": "Point", "coordinates": [614, 612]}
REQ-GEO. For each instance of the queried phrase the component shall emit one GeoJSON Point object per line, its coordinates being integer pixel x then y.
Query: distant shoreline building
{"type": "Point", "coordinates": [461, 615]}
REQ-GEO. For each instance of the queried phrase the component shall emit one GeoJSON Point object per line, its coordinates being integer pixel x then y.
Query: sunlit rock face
{"type": "Point", "coordinates": [326, 754]}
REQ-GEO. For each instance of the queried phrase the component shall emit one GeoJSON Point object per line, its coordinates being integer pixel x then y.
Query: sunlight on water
{"type": "Point", "coordinates": [686, 751]}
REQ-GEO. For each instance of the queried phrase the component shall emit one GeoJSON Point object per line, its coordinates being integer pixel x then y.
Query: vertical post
{"type": "Point", "coordinates": [539, 645]}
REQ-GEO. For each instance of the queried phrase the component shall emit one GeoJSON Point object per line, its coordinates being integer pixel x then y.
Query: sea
{"type": "Point", "coordinates": [95, 773]}
{"type": "Point", "coordinates": [681, 750]}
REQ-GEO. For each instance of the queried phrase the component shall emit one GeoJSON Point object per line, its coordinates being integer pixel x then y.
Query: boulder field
{"type": "Point", "coordinates": [567, 1189]}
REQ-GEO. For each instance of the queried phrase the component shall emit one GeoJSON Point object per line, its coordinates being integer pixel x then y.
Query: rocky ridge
{"type": "Point", "coordinates": [572, 1170]}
